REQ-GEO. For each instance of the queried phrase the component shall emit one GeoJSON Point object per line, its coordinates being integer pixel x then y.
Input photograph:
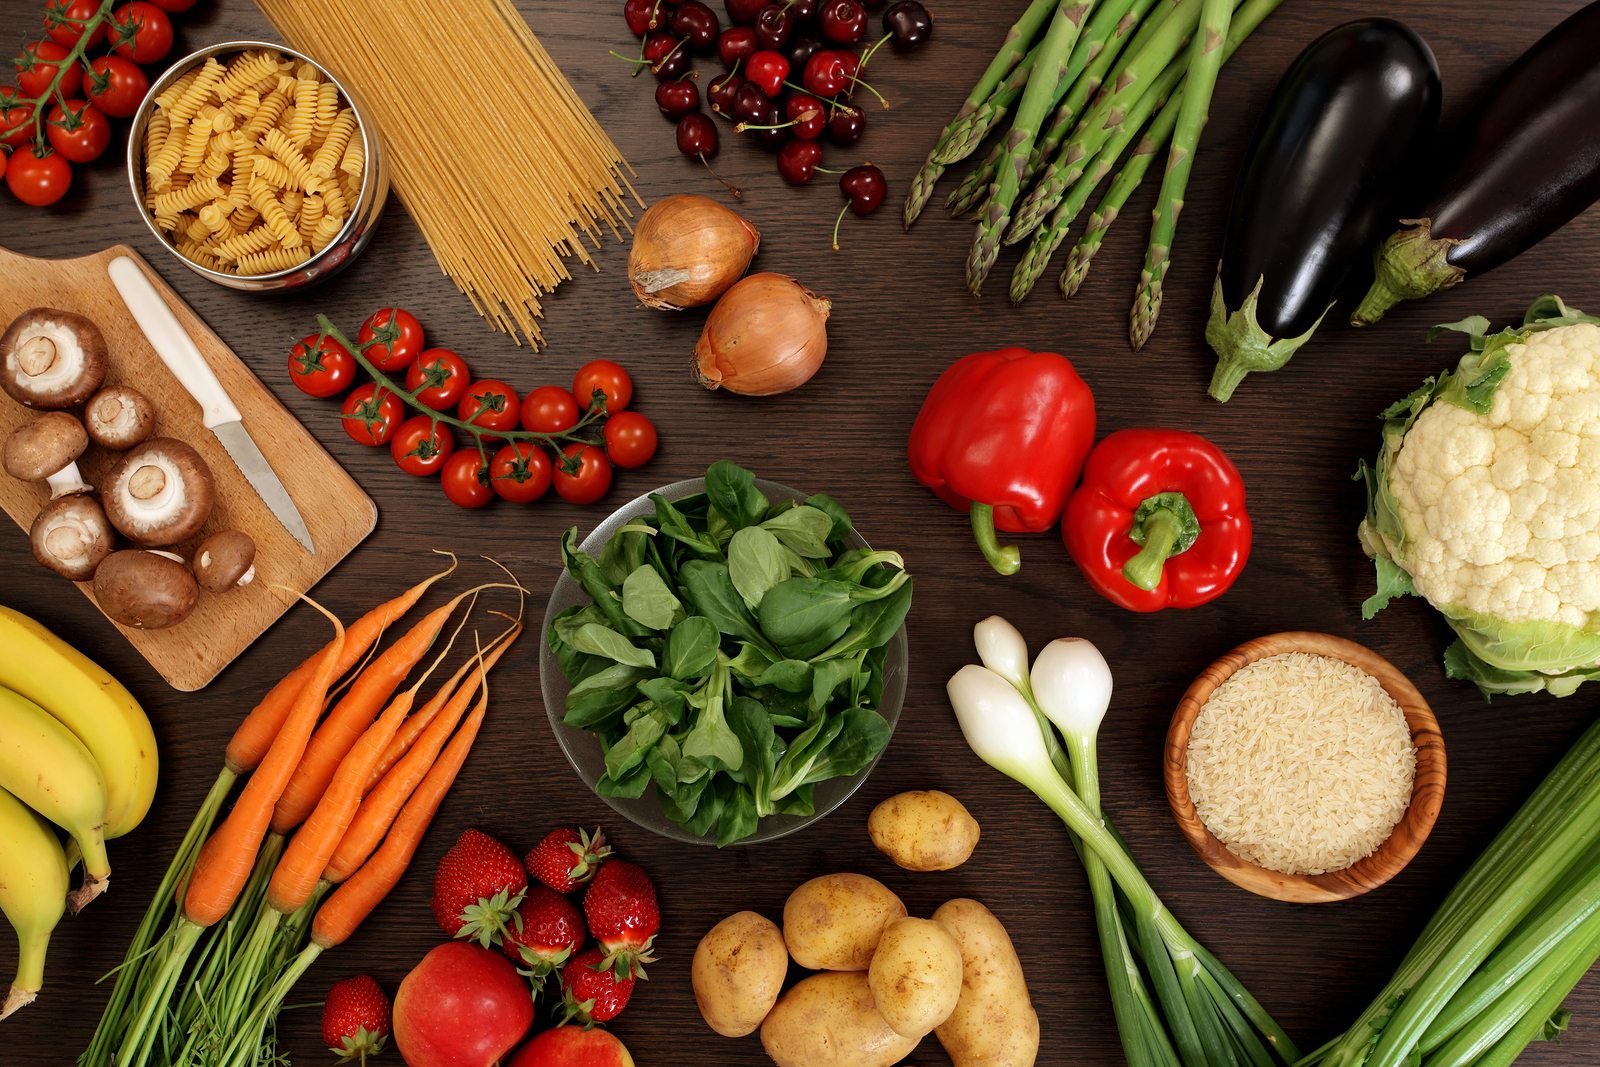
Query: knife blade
{"type": "Point", "coordinates": [177, 350]}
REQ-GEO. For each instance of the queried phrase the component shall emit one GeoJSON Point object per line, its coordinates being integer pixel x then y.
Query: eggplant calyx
{"type": "Point", "coordinates": [1242, 345]}
{"type": "Point", "coordinates": [1411, 264]}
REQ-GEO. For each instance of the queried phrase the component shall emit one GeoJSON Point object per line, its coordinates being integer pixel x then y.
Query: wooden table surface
{"type": "Point", "coordinates": [901, 314]}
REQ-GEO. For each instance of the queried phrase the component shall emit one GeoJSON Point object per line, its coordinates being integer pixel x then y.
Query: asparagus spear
{"type": "Point", "coordinates": [1054, 52]}
{"type": "Point", "coordinates": [965, 135]}
{"type": "Point", "coordinates": [1012, 50]}
{"type": "Point", "coordinates": [1206, 53]}
{"type": "Point", "coordinates": [970, 193]}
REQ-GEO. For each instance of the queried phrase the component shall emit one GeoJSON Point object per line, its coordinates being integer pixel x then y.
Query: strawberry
{"type": "Point", "coordinates": [355, 1019]}
{"type": "Point", "coordinates": [477, 888]}
{"type": "Point", "coordinates": [567, 858]}
{"type": "Point", "coordinates": [620, 905]}
{"type": "Point", "coordinates": [591, 994]}
{"type": "Point", "coordinates": [548, 929]}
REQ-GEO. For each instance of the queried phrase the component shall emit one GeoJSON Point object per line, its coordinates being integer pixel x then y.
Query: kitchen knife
{"type": "Point", "coordinates": [177, 350]}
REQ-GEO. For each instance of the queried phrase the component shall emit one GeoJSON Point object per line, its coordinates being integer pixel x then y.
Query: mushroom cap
{"type": "Point", "coordinates": [41, 447]}
{"type": "Point", "coordinates": [119, 417]}
{"type": "Point", "coordinates": [71, 536]}
{"type": "Point", "coordinates": [159, 493]}
{"type": "Point", "coordinates": [224, 560]}
{"type": "Point", "coordinates": [52, 359]}
{"type": "Point", "coordinates": [145, 590]}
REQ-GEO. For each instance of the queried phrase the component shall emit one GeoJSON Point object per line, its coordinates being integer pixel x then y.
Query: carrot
{"type": "Point", "coordinates": [255, 734]}
{"type": "Point", "coordinates": [353, 714]}
{"type": "Point", "coordinates": [378, 810]}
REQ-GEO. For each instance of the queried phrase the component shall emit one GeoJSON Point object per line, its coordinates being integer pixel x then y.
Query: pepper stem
{"type": "Point", "coordinates": [1005, 559]}
{"type": "Point", "coordinates": [1166, 526]}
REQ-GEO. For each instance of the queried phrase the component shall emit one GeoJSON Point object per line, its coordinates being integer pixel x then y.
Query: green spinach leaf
{"type": "Point", "coordinates": [647, 600]}
{"type": "Point", "coordinates": [691, 649]}
{"type": "Point", "coordinates": [598, 640]}
{"type": "Point", "coordinates": [803, 530]}
{"type": "Point", "coordinates": [603, 696]}
{"type": "Point", "coordinates": [733, 494]}
{"type": "Point", "coordinates": [709, 588]}
{"type": "Point", "coordinates": [756, 563]}
{"type": "Point", "coordinates": [676, 525]}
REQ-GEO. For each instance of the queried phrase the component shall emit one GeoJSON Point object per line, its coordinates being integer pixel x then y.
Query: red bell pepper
{"type": "Point", "coordinates": [1159, 521]}
{"type": "Point", "coordinates": [1002, 435]}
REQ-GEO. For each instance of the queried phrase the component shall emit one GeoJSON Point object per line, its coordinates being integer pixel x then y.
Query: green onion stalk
{"type": "Point", "coordinates": [1198, 1015]}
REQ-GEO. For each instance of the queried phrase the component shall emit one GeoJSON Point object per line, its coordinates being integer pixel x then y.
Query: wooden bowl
{"type": "Point", "coordinates": [1427, 789]}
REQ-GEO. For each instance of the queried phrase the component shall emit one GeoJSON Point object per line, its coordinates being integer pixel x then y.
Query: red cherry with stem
{"type": "Point", "coordinates": [769, 129]}
{"type": "Point", "coordinates": [908, 25]}
{"type": "Point", "coordinates": [674, 64]}
{"type": "Point", "coordinates": [750, 103]}
{"type": "Point", "coordinates": [697, 138]}
{"type": "Point", "coordinates": [866, 188]}
{"type": "Point", "coordinates": [802, 46]}
{"type": "Point", "coordinates": [723, 91]}
{"type": "Point", "coordinates": [658, 46]}
{"type": "Point", "coordinates": [846, 124]}
{"type": "Point", "coordinates": [744, 12]}
{"type": "Point", "coordinates": [826, 73]}
{"type": "Point", "coordinates": [697, 22]}
{"type": "Point", "coordinates": [736, 43]}
{"type": "Point", "coordinates": [766, 70]}
{"type": "Point", "coordinates": [677, 98]}
{"type": "Point", "coordinates": [774, 25]}
{"type": "Point", "coordinates": [844, 21]}
{"type": "Point", "coordinates": [852, 72]}
{"type": "Point", "coordinates": [644, 16]}
{"type": "Point", "coordinates": [798, 160]}
{"type": "Point", "coordinates": [808, 115]}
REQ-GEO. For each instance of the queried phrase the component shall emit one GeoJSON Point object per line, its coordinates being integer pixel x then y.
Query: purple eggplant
{"type": "Point", "coordinates": [1338, 142]}
{"type": "Point", "coordinates": [1525, 162]}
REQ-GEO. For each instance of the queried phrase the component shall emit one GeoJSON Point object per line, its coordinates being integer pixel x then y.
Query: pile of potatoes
{"type": "Point", "coordinates": [886, 979]}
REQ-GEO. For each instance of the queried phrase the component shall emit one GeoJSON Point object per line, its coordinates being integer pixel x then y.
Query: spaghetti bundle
{"type": "Point", "coordinates": [505, 171]}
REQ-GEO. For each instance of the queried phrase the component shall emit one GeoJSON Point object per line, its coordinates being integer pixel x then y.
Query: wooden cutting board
{"type": "Point", "coordinates": [336, 511]}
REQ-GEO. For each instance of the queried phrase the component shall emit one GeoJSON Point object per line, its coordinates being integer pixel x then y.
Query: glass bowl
{"type": "Point", "coordinates": [582, 748]}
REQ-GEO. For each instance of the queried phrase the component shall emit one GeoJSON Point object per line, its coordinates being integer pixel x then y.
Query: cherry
{"type": "Point", "coordinates": [644, 16]}
{"type": "Point", "coordinates": [803, 10]}
{"type": "Point", "coordinates": [773, 26]}
{"type": "Point", "coordinates": [750, 103]}
{"type": "Point", "coordinates": [798, 160]}
{"type": "Point", "coordinates": [736, 43]}
{"type": "Point", "coordinates": [844, 21]}
{"type": "Point", "coordinates": [677, 98]}
{"type": "Point", "coordinates": [866, 187]}
{"type": "Point", "coordinates": [674, 64]}
{"type": "Point", "coordinates": [657, 46]}
{"type": "Point", "coordinates": [722, 92]}
{"type": "Point", "coordinates": [826, 73]}
{"type": "Point", "coordinates": [697, 22]}
{"type": "Point", "coordinates": [808, 115]}
{"type": "Point", "coordinates": [846, 124]}
{"type": "Point", "coordinates": [908, 25]}
{"type": "Point", "coordinates": [744, 12]}
{"type": "Point", "coordinates": [769, 129]}
{"type": "Point", "coordinates": [697, 136]}
{"type": "Point", "coordinates": [766, 70]}
{"type": "Point", "coordinates": [802, 46]}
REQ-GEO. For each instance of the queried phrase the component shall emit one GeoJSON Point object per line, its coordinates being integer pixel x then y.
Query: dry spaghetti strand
{"type": "Point", "coordinates": [505, 189]}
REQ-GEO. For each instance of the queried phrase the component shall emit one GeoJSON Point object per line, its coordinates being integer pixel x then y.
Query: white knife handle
{"type": "Point", "coordinates": [176, 349]}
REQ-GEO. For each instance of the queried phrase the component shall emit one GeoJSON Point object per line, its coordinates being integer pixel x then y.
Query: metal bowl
{"type": "Point", "coordinates": [364, 214]}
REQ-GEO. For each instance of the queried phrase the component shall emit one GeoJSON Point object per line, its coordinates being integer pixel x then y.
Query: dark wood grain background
{"type": "Point", "coordinates": [901, 314]}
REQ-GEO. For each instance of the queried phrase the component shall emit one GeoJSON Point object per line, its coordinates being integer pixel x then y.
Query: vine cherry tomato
{"type": "Point", "coordinates": [16, 118]}
{"type": "Point", "coordinates": [36, 69]}
{"type": "Point", "coordinates": [396, 354]}
{"type": "Point", "coordinates": [442, 376]}
{"type": "Point", "coordinates": [549, 409]}
{"type": "Point", "coordinates": [141, 31]}
{"type": "Point", "coordinates": [116, 86]}
{"type": "Point", "coordinates": [465, 478]}
{"type": "Point", "coordinates": [78, 131]}
{"type": "Point", "coordinates": [420, 446]}
{"type": "Point", "coordinates": [60, 16]}
{"type": "Point", "coordinates": [606, 377]}
{"type": "Point", "coordinates": [520, 472]}
{"type": "Point", "coordinates": [630, 439]}
{"type": "Point", "coordinates": [38, 180]}
{"type": "Point", "coordinates": [591, 478]}
{"type": "Point", "coordinates": [320, 366]}
{"type": "Point", "coordinates": [370, 414]}
{"type": "Point", "coordinates": [490, 405]}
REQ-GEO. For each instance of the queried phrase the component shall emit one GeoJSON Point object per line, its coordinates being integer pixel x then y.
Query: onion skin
{"type": "Point", "coordinates": [687, 251]}
{"type": "Point", "coordinates": [767, 335]}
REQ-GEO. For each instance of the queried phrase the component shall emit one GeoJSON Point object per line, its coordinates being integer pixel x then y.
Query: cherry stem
{"type": "Point", "coordinates": [857, 81]}
{"type": "Point", "coordinates": [804, 116]}
{"type": "Point", "coordinates": [838, 221]}
{"type": "Point", "coordinates": [867, 57]}
{"type": "Point", "coordinates": [738, 193]}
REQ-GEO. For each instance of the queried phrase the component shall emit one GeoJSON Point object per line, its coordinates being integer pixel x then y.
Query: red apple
{"type": "Point", "coordinates": [571, 1046]}
{"type": "Point", "coordinates": [462, 1006]}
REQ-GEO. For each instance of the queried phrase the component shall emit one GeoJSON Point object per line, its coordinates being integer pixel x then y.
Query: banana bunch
{"type": "Point", "coordinates": [76, 751]}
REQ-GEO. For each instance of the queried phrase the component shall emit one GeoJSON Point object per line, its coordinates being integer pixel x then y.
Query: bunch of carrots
{"type": "Point", "coordinates": [341, 782]}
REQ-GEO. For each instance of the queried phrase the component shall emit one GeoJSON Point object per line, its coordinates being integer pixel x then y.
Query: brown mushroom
{"type": "Point", "coordinates": [52, 359]}
{"type": "Point", "coordinates": [145, 589]}
{"type": "Point", "coordinates": [225, 560]}
{"type": "Point", "coordinates": [46, 449]}
{"type": "Point", "coordinates": [159, 493]}
{"type": "Point", "coordinates": [119, 417]}
{"type": "Point", "coordinates": [71, 536]}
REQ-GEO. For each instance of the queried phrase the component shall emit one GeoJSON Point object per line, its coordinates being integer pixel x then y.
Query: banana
{"type": "Point", "coordinates": [90, 703]}
{"type": "Point", "coordinates": [43, 765]}
{"type": "Point", "coordinates": [33, 892]}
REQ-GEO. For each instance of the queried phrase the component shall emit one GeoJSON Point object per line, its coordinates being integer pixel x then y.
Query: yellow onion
{"type": "Point", "coordinates": [768, 334]}
{"type": "Point", "coordinates": [687, 251]}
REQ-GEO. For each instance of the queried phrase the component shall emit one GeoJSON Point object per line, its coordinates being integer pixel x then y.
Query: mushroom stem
{"type": "Point", "coordinates": [66, 481]}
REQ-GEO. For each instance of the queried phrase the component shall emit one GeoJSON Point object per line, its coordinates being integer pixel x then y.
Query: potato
{"type": "Point", "coordinates": [994, 1024]}
{"type": "Point", "coordinates": [738, 972]}
{"type": "Point", "coordinates": [915, 976]}
{"type": "Point", "coordinates": [833, 923]}
{"type": "Point", "coordinates": [924, 830]}
{"type": "Point", "coordinates": [829, 1020]}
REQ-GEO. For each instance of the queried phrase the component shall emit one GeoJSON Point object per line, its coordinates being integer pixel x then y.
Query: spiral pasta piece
{"type": "Point", "coordinates": [246, 72]}
{"type": "Point", "coordinates": [197, 93]}
{"type": "Point", "coordinates": [300, 125]}
{"type": "Point", "coordinates": [273, 260]}
{"type": "Point", "coordinates": [334, 145]}
{"type": "Point", "coordinates": [274, 217]}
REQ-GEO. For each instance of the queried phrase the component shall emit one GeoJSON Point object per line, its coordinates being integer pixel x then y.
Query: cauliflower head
{"type": "Point", "coordinates": [1486, 502]}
